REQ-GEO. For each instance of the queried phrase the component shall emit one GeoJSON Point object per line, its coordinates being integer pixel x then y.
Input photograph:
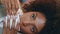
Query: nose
{"type": "Point", "coordinates": [24, 24]}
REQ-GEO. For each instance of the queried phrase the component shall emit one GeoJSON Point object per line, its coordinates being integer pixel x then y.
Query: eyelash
{"type": "Point", "coordinates": [33, 16]}
{"type": "Point", "coordinates": [33, 29]}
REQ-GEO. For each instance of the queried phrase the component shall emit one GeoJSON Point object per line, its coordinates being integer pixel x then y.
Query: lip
{"type": "Point", "coordinates": [20, 30]}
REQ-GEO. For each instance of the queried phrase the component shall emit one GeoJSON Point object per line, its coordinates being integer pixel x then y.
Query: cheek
{"type": "Point", "coordinates": [25, 18]}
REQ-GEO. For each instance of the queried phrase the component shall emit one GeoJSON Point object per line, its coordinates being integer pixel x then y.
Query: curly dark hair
{"type": "Point", "coordinates": [48, 8]}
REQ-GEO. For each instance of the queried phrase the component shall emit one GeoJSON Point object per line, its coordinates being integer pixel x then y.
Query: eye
{"type": "Point", "coordinates": [33, 29]}
{"type": "Point", "coordinates": [33, 16]}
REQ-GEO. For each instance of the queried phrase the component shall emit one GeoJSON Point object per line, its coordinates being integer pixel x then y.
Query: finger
{"type": "Point", "coordinates": [9, 5]}
{"type": "Point", "coordinates": [13, 23]}
{"type": "Point", "coordinates": [10, 19]}
{"type": "Point", "coordinates": [16, 5]}
{"type": "Point", "coordinates": [8, 22]}
{"type": "Point", "coordinates": [14, 12]}
{"type": "Point", "coordinates": [17, 22]}
{"type": "Point", "coordinates": [4, 24]}
{"type": "Point", "coordinates": [6, 6]}
{"type": "Point", "coordinates": [8, 31]}
{"type": "Point", "coordinates": [12, 4]}
{"type": "Point", "coordinates": [4, 31]}
{"type": "Point", "coordinates": [6, 3]}
{"type": "Point", "coordinates": [2, 1]}
{"type": "Point", "coordinates": [13, 31]}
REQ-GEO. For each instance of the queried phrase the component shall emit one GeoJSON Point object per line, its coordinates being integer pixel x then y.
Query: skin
{"type": "Point", "coordinates": [10, 6]}
{"type": "Point", "coordinates": [27, 22]}
{"type": "Point", "coordinates": [8, 30]}
{"type": "Point", "coordinates": [32, 24]}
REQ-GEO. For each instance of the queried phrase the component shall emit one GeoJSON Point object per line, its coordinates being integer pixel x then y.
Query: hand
{"type": "Point", "coordinates": [8, 29]}
{"type": "Point", "coordinates": [10, 5]}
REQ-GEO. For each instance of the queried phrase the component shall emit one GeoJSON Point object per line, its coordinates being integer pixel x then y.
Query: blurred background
{"type": "Point", "coordinates": [2, 11]}
{"type": "Point", "coordinates": [2, 14]}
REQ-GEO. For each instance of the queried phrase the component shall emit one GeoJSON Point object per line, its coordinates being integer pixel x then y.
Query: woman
{"type": "Point", "coordinates": [38, 17]}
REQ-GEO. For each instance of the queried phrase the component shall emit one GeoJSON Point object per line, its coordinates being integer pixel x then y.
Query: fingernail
{"type": "Point", "coordinates": [11, 20]}
{"type": "Point", "coordinates": [6, 21]}
{"type": "Point", "coordinates": [16, 22]}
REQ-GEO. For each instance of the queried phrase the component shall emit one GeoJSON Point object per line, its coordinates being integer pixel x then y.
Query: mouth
{"type": "Point", "coordinates": [20, 31]}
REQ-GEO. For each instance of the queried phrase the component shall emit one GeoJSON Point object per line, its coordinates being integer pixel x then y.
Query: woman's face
{"type": "Point", "coordinates": [32, 22]}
